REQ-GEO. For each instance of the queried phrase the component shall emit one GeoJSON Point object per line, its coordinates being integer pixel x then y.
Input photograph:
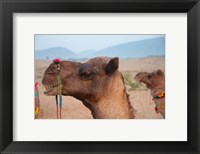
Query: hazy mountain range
{"type": "Point", "coordinates": [136, 49]}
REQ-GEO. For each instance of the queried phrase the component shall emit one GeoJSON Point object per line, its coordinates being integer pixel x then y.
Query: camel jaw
{"type": "Point", "coordinates": [50, 90]}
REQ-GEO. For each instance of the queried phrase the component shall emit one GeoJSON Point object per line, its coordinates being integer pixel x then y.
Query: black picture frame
{"type": "Point", "coordinates": [8, 7]}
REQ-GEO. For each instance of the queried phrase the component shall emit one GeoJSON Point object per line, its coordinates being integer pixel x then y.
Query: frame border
{"type": "Point", "coordinates": [8, 7]}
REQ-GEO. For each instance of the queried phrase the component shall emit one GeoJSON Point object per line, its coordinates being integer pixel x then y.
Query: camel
{"type": "Point", "coordinates": [155, 81]}
{"type": "Point", "coordinates": [97, 83]}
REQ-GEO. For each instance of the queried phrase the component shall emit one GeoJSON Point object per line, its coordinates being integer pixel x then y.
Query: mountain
{"type": "Point", "coordinates": [56, 52]}
{"type": "Point", "coordinates": [136, 49]}
{"type": "Point", "coordinates": [87, 53]}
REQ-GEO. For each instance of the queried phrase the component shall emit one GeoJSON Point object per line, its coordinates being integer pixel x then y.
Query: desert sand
{"type": "Point", "coordinates": [140, 97]}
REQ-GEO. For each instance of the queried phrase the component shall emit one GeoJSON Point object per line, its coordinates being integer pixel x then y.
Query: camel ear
{"type": "Point", "coordinates": [112, 66]}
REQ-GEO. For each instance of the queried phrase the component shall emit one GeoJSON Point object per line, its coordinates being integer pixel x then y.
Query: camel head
{"type": "Point", "coordinates": [87, 81]}
{"type": "Point", "coordinates": [97, 83]}
{"type": "Point", "coordinates": [152, 80]}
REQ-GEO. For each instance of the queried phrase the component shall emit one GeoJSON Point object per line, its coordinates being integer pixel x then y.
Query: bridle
{"type": "Point", "coordinates": [57, 62]}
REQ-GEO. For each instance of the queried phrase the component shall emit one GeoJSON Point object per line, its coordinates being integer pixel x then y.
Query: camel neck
{"type": "Point", "coordinates": [118, 109]}
{"type": "Point", "coordinates": [114, 104]}
{"type": "Point", "coordinates": [157, 90]}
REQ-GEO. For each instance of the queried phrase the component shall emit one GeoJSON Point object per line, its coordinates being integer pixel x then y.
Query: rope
{"type": "Point", "coordinates": [59, 86]}
{"type": "Point", "coordinates": [57, 62]}
{"type": "Point", "coordinates": [57, 105]}
{"type": "Point", "coordinates": [60, 94]}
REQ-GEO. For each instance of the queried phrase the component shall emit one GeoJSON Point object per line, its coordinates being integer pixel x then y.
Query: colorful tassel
{"type": "Point", "coordinates": [37, 99]}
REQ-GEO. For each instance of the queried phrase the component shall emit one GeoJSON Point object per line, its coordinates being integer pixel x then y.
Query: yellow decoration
{"type": "Point", "coordinates": [37, 110]}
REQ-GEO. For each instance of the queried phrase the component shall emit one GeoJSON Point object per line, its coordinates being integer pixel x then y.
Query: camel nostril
{"type": "Point", "coordinates": [149, 75]}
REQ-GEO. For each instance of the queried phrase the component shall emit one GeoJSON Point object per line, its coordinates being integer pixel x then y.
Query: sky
{"type": "Point", "coordinates": [79, 43]}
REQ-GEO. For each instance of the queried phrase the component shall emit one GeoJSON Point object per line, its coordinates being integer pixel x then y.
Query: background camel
{"type": "Point", "coordinates": [155, 81]}
{"type": "Point", "coordinates": [97, 83]}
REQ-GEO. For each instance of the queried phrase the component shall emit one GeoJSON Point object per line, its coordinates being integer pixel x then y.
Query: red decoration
{"type": "Point", "coordinates": [56, 61]}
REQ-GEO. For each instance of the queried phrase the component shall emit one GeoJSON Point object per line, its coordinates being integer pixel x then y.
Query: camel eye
{"type": "Point", "coordinates": [87, 75]}
{"type": "Point", "coordinates": [86, 72]}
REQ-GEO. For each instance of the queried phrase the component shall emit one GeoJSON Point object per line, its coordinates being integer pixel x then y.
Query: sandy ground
{"type": "Point", "coordinates": [140, 99]}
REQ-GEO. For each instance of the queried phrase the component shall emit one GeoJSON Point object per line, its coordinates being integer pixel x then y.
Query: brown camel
{"type": "Point", "coordinates": [97, 83]}
{"type": "Point", "coordinates": [155, 81]}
